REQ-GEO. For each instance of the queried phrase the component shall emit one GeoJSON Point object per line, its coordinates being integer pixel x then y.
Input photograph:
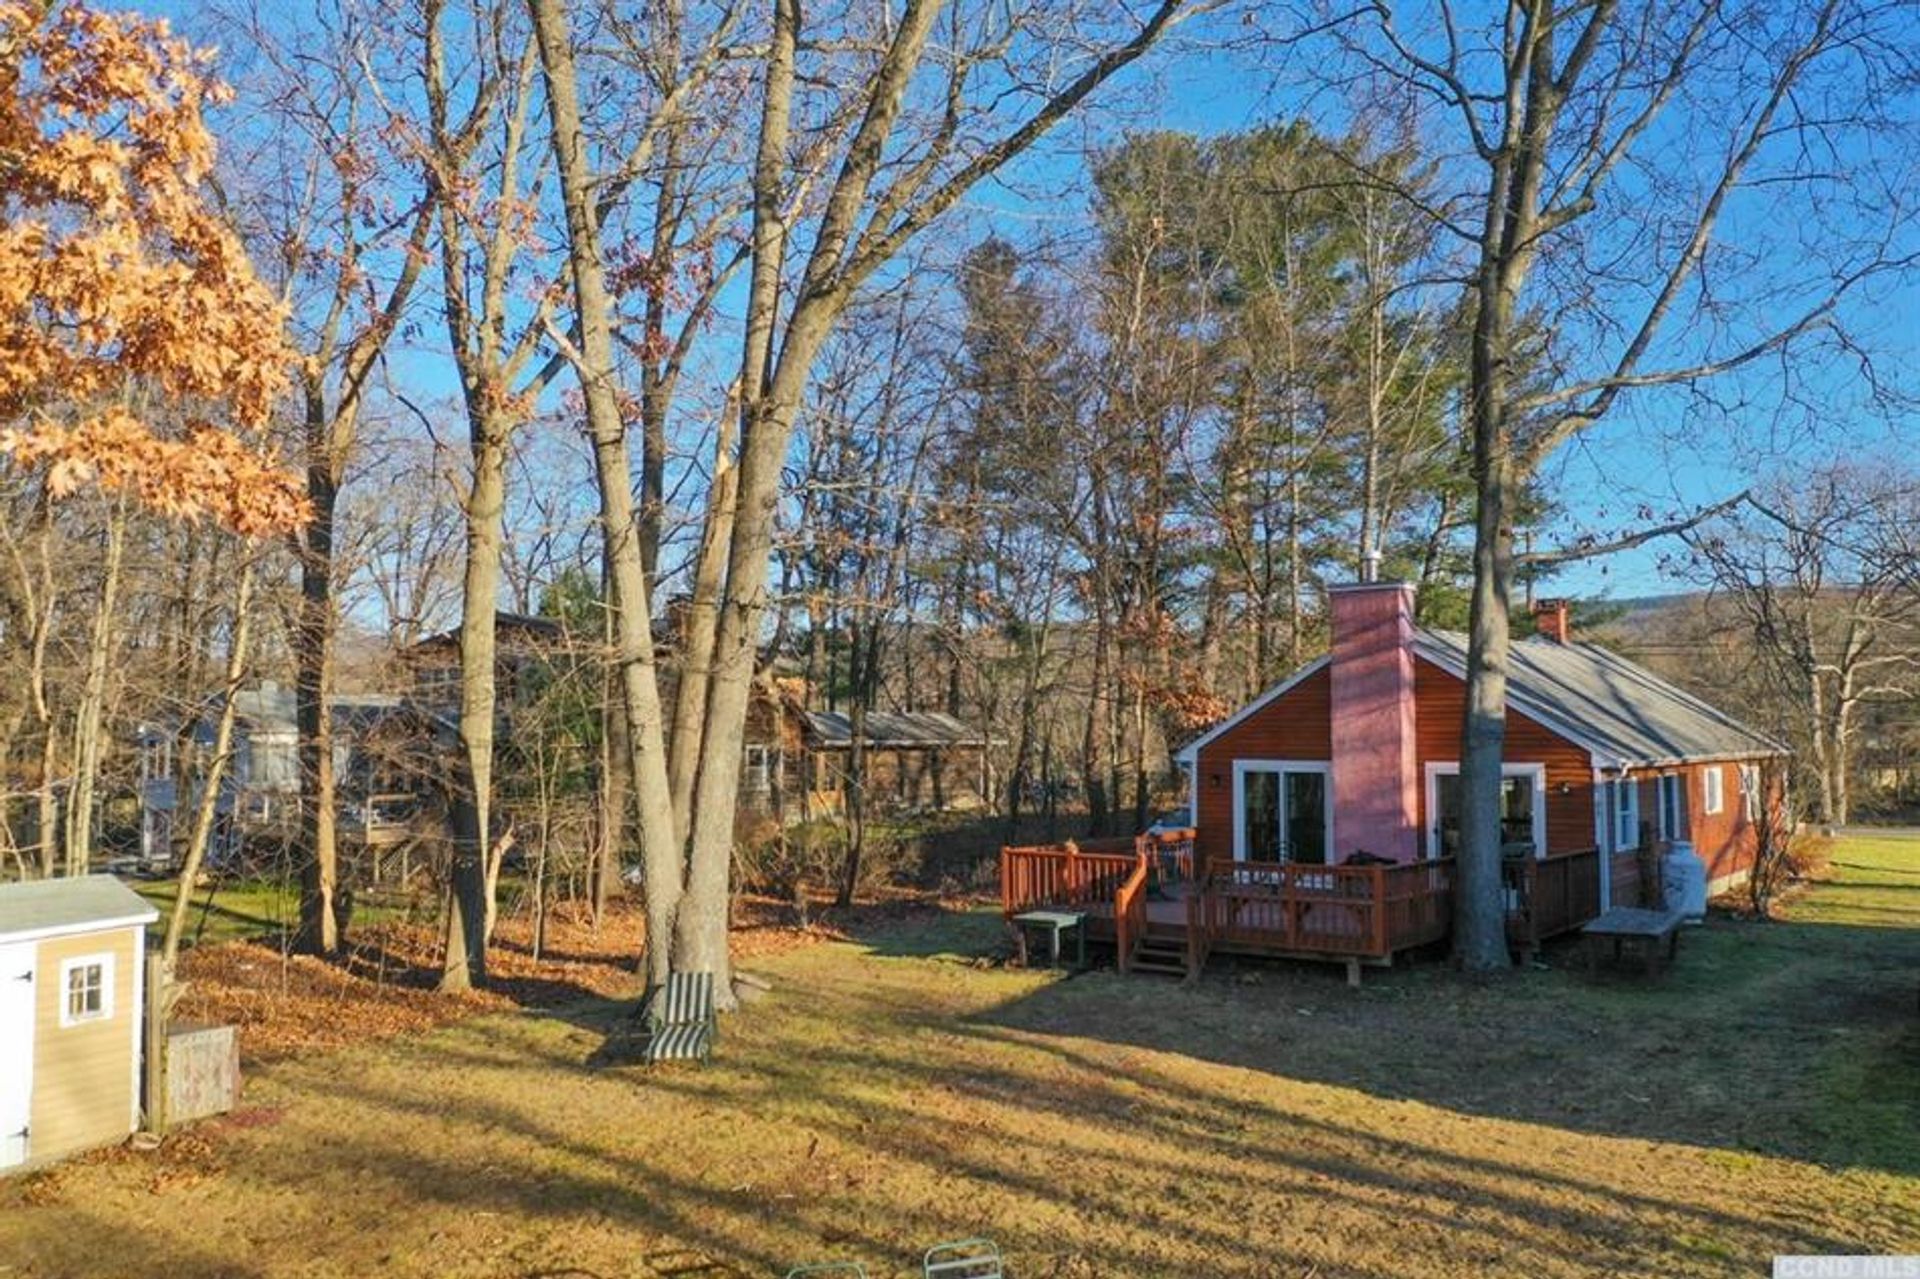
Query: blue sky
{"type": "Point", "coordinates": [1659, 452]}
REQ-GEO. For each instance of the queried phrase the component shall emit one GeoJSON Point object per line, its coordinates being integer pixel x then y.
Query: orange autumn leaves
{"type": "Point", "coordinates": [130, 318]}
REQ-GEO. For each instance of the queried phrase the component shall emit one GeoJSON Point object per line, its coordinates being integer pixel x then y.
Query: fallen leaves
{"type": "Point", "coordinates": [289, 1005]}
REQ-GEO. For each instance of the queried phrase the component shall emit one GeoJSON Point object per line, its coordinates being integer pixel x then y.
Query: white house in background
{"type": "Point", "coordinates": [383, 746]}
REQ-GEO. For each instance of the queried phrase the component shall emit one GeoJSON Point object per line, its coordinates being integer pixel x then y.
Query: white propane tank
{"type": "Point", "coordinates": [1683, 879]}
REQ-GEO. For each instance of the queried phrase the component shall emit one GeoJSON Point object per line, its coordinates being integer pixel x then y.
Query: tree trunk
{"type": "Point", "coordinates": [205, 810]}
{"type": "Point", "coordinates": [1480, 937]}
{"type": "Point", "coordinates": [466, 959]}
{"type": "Point", "coordinates": [93, 702]}
{"type": "Point", "coordinates": [702, 611]}
{"type": "Point", "coordinates": [318, 933]}
{"type": "Point", "coordinates": [46, 810]}
{"type": "Point", "coordinates": [621, 541]}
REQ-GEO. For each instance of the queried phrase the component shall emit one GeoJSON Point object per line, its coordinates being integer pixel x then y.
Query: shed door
{"type": "Point", "coordinates": [16, 1050]}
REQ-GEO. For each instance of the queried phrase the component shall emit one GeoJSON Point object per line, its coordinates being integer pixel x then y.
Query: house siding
{"type": "Point", "coordinates": [1442, 699]}
{"type": "Point", "coordinates": [1726, 841]}
{"type": "Point", "coordinates": [83, 1076]}
{"type": "Point", "coordinates": [1297, 725]}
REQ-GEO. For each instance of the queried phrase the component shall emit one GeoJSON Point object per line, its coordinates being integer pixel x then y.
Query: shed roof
{"type": "Point", "coordinates": [48, 907]}
{"type": "Point", "coordinates": [834, 729]}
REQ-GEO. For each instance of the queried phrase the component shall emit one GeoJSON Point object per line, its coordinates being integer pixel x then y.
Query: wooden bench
{"type": "Point", "coordinates": [1652, 935]}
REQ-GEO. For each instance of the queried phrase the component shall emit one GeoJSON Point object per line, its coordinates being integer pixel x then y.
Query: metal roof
{"type": "Point", "coordinates": [834, 729]}
{"type": "Point", "coordinates": [46, 907]}
{"type": "Point", "coordinates": [270, 707]}
{"type": "Point", "coordinates": [1619, 710]}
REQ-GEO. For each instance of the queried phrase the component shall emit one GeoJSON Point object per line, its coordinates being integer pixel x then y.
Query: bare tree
{"type": "Point", "coordinates": [1637, 185]}
{"type": "Point", "coordinates": [213, 777]}
{"type": "Point", "coordinates": [927, 128]}
{"type": "Point", "coordinates": [484, 160]}
{"type": "Point", "coordinates": [346, 227]}
{"type": "Point", "coordinates": [1822, 569]}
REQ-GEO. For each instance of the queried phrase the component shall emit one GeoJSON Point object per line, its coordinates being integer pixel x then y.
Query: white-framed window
{"type": "Point", "coordinates": [1626, 813]}
{"type": "Point", "coordinates": [1523, 808]}
{"type": "Point", "coordinates": [1670, 790]}
{"type": "Point", "coordinates": [758, 774]}
{"type": "Point", "coordinates": [1713, 789]}
{"type": "Point", "coordinates": [1750, 792]}
{"type": "Point", "coordinates": [86, 989]}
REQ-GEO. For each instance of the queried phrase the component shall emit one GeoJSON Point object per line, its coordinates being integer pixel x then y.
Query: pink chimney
{"type": "Point", "coordinates": [1376, 775]}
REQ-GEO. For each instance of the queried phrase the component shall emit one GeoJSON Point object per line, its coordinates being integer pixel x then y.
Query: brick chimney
{"type": "Point", "coordinates": [1376, 775]}
{"type": "Point", "coordinates": [1550, 618]}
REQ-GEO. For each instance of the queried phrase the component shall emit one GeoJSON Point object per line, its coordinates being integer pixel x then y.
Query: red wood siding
{"type": "Point", "coordinates": [1725, 840]}
{"type": "Point", "coordinates": [1442, 701]}
{"type": "Point", "coordinates": [1296, 725]}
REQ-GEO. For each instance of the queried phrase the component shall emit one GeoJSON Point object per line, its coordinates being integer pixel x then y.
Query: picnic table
{"type": "Point", "coordinates": [1055, 922]}
{"type": "Point", "coordinates": [1652, 935]}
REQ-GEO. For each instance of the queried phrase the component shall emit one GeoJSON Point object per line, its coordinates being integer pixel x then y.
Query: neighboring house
{"type": "Point", "coordinates": [1326, 811]}
{"type": "Point", "coordinates": [385, 750]}
{"type": "Point", "coordinates": [911, 760]}
{"type": "Point", "coordinates": [70, 1015]}
{"type": "Point", "coordinates": [525, 648]}
{"type": "Point", "coordinates": [797, 763]}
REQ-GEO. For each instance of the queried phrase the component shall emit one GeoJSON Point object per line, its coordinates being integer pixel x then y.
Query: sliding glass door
{"type": "Point", "coordinates": [1280, 812]}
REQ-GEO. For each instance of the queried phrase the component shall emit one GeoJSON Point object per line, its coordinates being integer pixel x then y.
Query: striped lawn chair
{"type": "Point", "coordinates": [679, 1018]}
{"type": "Point", "coordinates": [964, 1259]}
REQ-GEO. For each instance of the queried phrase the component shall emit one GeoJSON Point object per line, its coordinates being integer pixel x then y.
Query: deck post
{"type": "Point", "coordinates": [1353, 972]}
{"type": "Point", "coordinates": [1381, 918]}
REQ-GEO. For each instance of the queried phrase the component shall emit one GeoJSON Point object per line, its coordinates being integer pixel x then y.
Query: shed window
{"type": "Point", "coordinates": [1750, 791]}
{"type": "Point", "coordinates": [86, 989]}
{"type": "Point", "coordinates": [1713, 790]}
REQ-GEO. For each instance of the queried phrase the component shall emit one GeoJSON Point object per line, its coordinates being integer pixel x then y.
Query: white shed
{"type": "Point", "coordinates": [72, 971]}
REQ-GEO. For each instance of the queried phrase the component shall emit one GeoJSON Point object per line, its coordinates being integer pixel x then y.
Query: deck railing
{"type": "Point", "coordinates": [1360, 911]}
{"type": "Point", "coordinates": [1064, 875]}
{"type": "Point", "coordinates": [1170, 854]}
{"type": "Point", "coordinates": [1353, 912]}
{"type": "Point", "coordinates": [1130, 912]}
{"type": "Point", "coordinates": [1547, 896]}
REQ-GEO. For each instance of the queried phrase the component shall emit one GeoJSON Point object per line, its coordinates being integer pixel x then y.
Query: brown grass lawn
{"type": "Point", "coordinates": [1765, 1098]}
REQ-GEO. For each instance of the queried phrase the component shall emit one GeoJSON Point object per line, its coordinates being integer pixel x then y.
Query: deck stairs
{"type": "Point", "coordinates": [1161, 954]}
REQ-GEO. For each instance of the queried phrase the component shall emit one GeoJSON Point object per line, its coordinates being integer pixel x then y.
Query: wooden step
{"type": "Point", "coordinates": [1160, 955]}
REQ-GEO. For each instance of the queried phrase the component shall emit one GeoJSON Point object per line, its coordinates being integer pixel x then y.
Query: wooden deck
{"type": "Point", "coordinates": [1146, 887]}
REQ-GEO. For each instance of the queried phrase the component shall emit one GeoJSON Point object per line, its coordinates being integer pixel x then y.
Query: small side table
{"type": "Point", "coordinates": [1055, 922]}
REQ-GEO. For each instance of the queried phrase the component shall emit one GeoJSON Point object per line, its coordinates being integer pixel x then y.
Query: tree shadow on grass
{"type": "Point", "coordinates": [960, 1128]}
{"type": "Point", "coordinates": [1791, 1039]}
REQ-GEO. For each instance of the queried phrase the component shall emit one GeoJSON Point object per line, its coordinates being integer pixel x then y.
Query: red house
{"type": "Point", "coordinates": [1326, 810]}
